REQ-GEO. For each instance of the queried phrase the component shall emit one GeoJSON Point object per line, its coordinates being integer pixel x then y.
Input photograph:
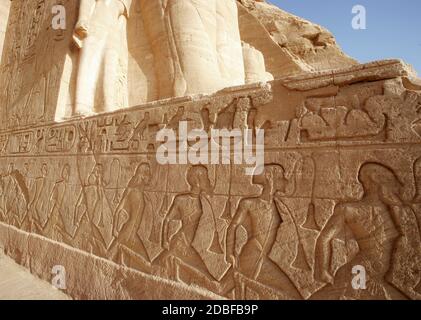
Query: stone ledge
{"type": "Point", "coordinates": [373, 71]}
{"type": "Point", "coordinates": [124, 284]}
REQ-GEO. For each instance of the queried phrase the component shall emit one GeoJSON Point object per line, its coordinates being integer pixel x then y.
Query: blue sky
{"type": "Point", "coordinates": [393, 26]}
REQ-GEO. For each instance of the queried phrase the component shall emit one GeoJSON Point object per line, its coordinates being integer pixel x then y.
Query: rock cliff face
{"type": "Point", "coordinates": [310, 46]}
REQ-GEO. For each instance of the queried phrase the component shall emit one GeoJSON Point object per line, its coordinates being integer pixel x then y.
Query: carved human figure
{"type": "Point", "coordinates": [196, 47]}
{"type": "Point", "coordinates": [39, 205]}
{"type": "Point", "coordinates": [99, 209]}
{"type": "Point", "coordinates": [371, 223]}
{"type": "Point", "coordinates": [77, 210]}
{"type": "Point", "coordinates": [187, 211]}
{"type": "Point", "coordinates": [4, 182]}
{"type": "Point", "coordinates": [129, 214]}
{"type": "Point", "coordinates": [92, 218]}
{"type": "Point", "coordinates": [99, 33]}
{"type": "Point", "coordinates": [16, 196]}
{"type": "Point", "coordinates": [262, 217]}
{"type": "Point", "coordinates": [60, 210]}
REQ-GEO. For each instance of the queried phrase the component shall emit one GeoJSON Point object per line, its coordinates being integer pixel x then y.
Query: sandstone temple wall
{"type": "Point", "coordinates": [338, 144]}
{"type": "Point", "coordinates": [340, 186]}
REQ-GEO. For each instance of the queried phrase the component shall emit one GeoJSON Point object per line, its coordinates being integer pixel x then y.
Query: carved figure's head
{"type": "Point", "coordinates": [273, 177]}
{"type": "Point", "coordinates": [381, 182]}
{"type": "Point", "coordinates": [142, 176]}
{"type": "Point", "coordinates": [198, 178]}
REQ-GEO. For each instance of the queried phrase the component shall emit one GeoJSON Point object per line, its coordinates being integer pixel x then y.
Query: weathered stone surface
{"type": "Point", "coordinates": [340, 185]}
{"type": "Point", "coordinates": [4, 15]}
{"type": "Point", "coordinates": [71, 183]}
{"type": "Point", "coordinates": [120, 54]}
{"type": "Point", "coordinates": [17, 283]}
{"type": "Point", "coordinates": [310, 46]}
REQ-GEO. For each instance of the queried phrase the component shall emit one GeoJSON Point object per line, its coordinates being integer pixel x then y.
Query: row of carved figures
{"type": "Point", "coordinates": [259, 244]}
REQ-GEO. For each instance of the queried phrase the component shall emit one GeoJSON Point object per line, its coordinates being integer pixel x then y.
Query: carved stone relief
{"type": "Point", "coordinates": [330, 197]}
{"type": "Point", "coordinates": [340, 184]}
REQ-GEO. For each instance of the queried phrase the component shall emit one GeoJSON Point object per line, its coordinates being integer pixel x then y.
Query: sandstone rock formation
{"type": "Point", "coordinates": [310, 46]}
{"type": "Point", "coordinates": [339, 188]}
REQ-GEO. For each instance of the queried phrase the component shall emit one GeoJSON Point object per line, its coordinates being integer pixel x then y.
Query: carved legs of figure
{"type": "Point", "coordinates": [88, 75]}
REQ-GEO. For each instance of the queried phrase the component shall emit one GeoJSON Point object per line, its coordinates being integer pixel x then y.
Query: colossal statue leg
{"type": "Point", "coordinates": [99, 32]}
{"type": "Point", "coordinates": [207, 39]}
{"type": "Point", "coordinates": [87, 77]}
{"type": "Point", "coordinates": [193, 24]}
{"type": "Point", "coordinates": [111, 77]}
{"type": "Point", "coordinates": [228, 45]}
{"type": "Point", "coordinates": [196, 46]}
{"type": "Point", "coordinates": [155, 23]}
{"type": "Point", "coordinates": [89, 64]}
